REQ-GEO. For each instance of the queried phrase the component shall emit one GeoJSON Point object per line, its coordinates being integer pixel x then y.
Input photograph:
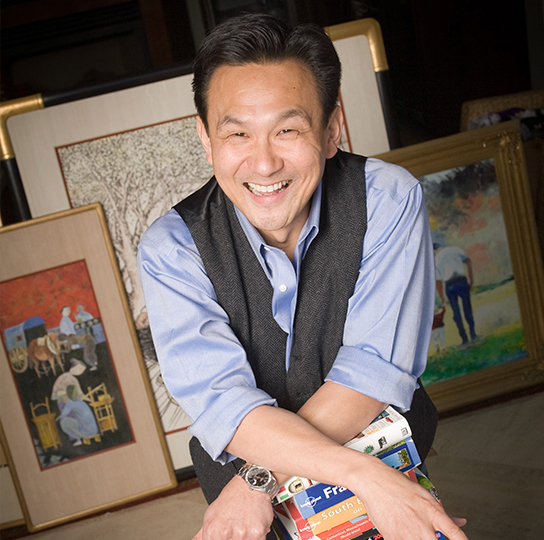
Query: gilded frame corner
{"type": "Point", "coordinates": [368, 27]}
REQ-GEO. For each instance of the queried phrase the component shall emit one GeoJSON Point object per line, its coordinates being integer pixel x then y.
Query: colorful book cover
{"type": "Point", "coordinates": [402, 456]}
{"type": "Point", "coordinates": [360, 528]}
{"type": "Point", "coordinates": [319, 497]}
{"type": "Point", "coordinates": [327, 513]}
{"type": "Point", "coordinates": [339, 514]}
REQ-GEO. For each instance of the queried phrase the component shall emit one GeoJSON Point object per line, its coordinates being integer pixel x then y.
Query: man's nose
{"type": "Point", "coordinates": [265, 159]}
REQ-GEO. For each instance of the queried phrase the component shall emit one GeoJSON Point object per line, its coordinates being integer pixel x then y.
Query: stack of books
{"type": "Point", "coordinates": [308, 510]}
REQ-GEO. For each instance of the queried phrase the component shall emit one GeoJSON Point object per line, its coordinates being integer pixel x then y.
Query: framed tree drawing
{"type": "Point", "coordinates": [76, 405]}
{"type": "Point", "coordinates": [488, 330]}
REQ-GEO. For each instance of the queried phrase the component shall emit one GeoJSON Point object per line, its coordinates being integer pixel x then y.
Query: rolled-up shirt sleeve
{"type": "Point", "coordinates": [202, 363]}
{"type": "Point", "coordinates": [389, 318]}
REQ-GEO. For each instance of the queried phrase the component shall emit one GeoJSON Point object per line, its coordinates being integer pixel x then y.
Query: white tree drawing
{"type": "Point", "coordinates": [138, 176]}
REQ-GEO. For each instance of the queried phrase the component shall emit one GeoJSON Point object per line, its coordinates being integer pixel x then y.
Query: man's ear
{"type": "Point", "coordinates": [204, 139]}
{"type": "Point", "coordinates": [334, 131]}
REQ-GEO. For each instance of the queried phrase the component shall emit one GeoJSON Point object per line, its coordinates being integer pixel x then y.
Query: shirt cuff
{"type": "Point", "coordinates": [368, 374]}
{"type": "Point", "coordinates": [222, 418]}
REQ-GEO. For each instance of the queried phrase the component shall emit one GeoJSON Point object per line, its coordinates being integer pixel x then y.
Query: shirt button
{"type": "Point", "coordinates": [283, 288]}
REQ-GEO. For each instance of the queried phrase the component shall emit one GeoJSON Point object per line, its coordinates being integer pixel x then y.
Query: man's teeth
{"type": "Point", "coordinates": [259, 190]}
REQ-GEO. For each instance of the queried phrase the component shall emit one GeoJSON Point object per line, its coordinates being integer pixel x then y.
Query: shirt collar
{"type": "Point", "coordinates": [308, 233]}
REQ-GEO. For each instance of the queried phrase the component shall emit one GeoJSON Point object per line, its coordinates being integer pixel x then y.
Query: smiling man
{"type": "Point", "coordinates": [291, 298]}
{"type": "Point", "coordinates": [267, 142]}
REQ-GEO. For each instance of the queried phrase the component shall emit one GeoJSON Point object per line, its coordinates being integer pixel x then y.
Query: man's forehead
{"type": "Point", "coordinates": [248, 74]}
{"type": "Point", "coordinates": [237, 91]}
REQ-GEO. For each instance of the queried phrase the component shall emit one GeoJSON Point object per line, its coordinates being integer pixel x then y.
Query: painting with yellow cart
{"type": "Point", "coordinates": [77, 415]}
{"type": "Point", "coordinates": [60, 361]}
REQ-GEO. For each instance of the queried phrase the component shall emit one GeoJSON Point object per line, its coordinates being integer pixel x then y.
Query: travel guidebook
{"type": "Point", "coordinates": [325, 512]}
{"type": "Point", "coordinates": [307, 510]}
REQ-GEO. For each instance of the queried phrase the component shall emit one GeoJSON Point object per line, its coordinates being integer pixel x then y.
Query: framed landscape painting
{"type": "Point", "coordinates": [488, 330]}
{"type": "Point", "coordinates": [76, 404]}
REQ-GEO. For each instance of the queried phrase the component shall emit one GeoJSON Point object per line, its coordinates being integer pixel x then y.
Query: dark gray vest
{"type": "Point", "coordinates": [327, 279]}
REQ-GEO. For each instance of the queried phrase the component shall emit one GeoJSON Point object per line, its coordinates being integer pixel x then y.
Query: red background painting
{"type": "Point", "coordinates": [45, 293]}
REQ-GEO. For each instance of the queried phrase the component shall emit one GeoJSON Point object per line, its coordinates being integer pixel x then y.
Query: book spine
{"type": "Point", "coordinates": [362, 528]}
{"type": "Point", "coordinates": [388, 429]}
{"type": "Point", "coordinates": [339, 514]}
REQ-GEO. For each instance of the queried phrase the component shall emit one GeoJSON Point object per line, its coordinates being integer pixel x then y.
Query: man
{"type": "Point", "coordinates": [66, 324]}
{"type": "Point", "coordinates": [279, 334]}
{"type": "Point", "coordinates": [82, 315]}
{"type": "Point", "coordinates": [454, 270]}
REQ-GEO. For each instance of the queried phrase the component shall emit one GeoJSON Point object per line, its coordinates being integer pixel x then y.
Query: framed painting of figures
{"type": "Point", "coordinates": [76, 405]}
{"type": "Point", "coordinates": [488, 330]}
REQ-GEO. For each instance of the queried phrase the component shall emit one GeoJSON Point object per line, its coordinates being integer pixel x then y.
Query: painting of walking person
{"type": "Point", "coordinates": [475, 280]}
{"type": "Point", "coordinates": [488, 326]}
{"type": "Point", "coordinates": [454, 270]}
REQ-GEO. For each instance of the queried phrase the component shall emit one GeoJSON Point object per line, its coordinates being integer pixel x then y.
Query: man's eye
{"type": "Point", "coordinates": [240, 134]}
{"type": "Point", "coordinates": [288, 132]}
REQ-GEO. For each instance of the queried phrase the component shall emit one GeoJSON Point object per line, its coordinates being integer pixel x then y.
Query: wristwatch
{"type": "Point", "coordinates": [259, 479]}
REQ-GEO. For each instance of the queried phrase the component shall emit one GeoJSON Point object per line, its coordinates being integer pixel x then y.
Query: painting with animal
{"type": "Point", "coordinates": [59, 357]}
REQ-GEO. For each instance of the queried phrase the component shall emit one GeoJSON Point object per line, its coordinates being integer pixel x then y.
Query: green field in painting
{"type": "Point", "coordinates": [485, 352]}
{"type": "Point", "coordinates": [501, 337]}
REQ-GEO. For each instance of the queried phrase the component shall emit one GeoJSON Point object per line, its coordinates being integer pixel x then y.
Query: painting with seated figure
{"type": "Point", "coordinates": [61, 364]}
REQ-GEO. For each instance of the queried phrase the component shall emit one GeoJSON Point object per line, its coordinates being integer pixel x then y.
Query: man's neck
{"type": "Point", "coordinates": [286, 243]}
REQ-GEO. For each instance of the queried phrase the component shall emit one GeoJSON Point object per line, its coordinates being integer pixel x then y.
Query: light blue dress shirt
{"type": "Point", "coordinates": [386, 332]}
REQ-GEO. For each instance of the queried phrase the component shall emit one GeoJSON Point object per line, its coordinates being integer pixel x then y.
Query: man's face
{"type": "Point", "coordinates": [267, 143]}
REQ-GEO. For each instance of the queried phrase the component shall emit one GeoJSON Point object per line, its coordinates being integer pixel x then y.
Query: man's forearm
{"type": "Point", "coordinates": [339, 412]}
{"type": "Point", "coordinates": [309, 443]}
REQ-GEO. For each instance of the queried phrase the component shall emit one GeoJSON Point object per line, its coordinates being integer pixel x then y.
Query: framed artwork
{"type": "Point", "coordinates": [136, 151]}
{"type": "Point", "coordinates": [488, 330]}
{"type": "Point", "coordinates": [76, 406]}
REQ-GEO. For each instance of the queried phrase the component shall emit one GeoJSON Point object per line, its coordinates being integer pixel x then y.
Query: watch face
{"type": "Point", "coordinates": [258, 477]}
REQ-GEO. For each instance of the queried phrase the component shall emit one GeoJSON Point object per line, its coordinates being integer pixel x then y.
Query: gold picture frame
{"type": "Point", "coordinates": [66, 465]}
{"type": "Point", "coordinates": [500, 370]}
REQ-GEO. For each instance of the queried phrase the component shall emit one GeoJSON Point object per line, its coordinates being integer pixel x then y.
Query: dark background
{"type": "Point", "coordinates": [440, 52]}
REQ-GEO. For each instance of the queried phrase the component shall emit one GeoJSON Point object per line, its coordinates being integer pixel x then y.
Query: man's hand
{"type": "Point", "coordinates": [239, 513]}
{"type": "Point", "coordinates": [401, 508]}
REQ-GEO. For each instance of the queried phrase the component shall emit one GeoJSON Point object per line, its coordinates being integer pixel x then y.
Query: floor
{"type": "Point", "coordinates": [489, 469]}
{"type": "Point", "coordinates": [488, 466]}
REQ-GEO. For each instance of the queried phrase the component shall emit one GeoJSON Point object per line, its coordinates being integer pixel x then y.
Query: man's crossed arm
{"type": "Point", "coordinates": [309, 444]}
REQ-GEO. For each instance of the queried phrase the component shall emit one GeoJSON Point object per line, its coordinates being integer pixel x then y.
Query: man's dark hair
{"type": "Point", "coordinates": [263, 39]}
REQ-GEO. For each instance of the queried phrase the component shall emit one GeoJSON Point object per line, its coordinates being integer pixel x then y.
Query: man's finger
{"type": "Point", "coordinates": [452, 531]}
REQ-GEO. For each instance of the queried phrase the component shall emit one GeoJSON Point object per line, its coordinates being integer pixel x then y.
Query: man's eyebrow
{"type": "Point", "coordinates": [286, 115]}
{"type": "Point", "coordinates": [294, 113]}
{"type": "Point", "coordinates": [228, 119]}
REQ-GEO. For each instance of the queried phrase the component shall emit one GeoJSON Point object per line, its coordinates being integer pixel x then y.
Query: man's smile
{"type": "Point", "coordinates": [257, 189]}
